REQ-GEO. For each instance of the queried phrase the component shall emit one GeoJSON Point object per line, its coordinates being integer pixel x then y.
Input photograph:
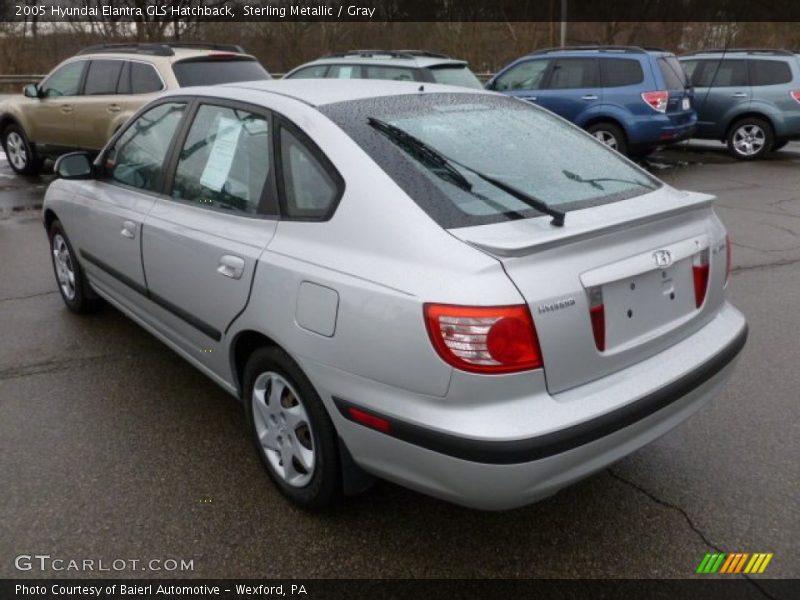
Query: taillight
{"type": "Point", "coordinates": [700, 269]}
{"type": "Point", "coordinates": [656, 100]}
{"type": "Point", "coordinates": [795, 94]}
{"type": "Point", "coordinates": [597, 314]}
{"type": "Point", "coordinates": [498, 339]}
{"type": "Point", "coordinates": [728, 259]}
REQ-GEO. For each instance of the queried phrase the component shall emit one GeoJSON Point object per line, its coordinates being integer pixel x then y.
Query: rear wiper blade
{"type": "Point", "coordinates": [594, 182]}
{"type": "Point", "coordinates": [424, 150]}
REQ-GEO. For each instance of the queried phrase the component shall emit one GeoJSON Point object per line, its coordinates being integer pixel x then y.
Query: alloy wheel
{"type": "Point", "coordinates": [65, 271]}
{"type": "Point", "coordinates": [749, 139]}
{"type": "Point", "coordinates": [16, 150]}
{"type": "Point", "coordinates": [283, 429]}
{"type": "Point", "coordinates": [606, 137]}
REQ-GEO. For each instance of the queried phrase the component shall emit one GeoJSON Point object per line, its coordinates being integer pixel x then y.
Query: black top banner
{"type": "Point", "coordinates": [400, 10]}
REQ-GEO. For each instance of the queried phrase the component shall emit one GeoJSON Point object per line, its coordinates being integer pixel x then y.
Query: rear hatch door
{"type": "Point", "coordinates": [636, 255]}
{"type": "Point", "coordinates": [680, 102]}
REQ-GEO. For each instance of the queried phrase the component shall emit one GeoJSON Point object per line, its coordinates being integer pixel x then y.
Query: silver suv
{"type": "Point", "coordinates": [405, 284]}
{"type": "Point", "coordinates": [396, 65]}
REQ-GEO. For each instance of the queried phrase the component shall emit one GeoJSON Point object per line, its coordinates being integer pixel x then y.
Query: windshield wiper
{"type": "Point", "coordinates": [427, 153]}
{"type": "Point", "coordinates": [594, 181]}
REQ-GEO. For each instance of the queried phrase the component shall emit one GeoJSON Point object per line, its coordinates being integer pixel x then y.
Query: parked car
{"type": "Point", "coordinates": [86, 98]}
{"type": "Point", "coordinates": [397, 65]}
{"type": "Point", "coordinates": [405, 284]}
{"type": "Point", "coordinates": [747, 98]}
{"type": "Point", "coordinates": [633, 99]}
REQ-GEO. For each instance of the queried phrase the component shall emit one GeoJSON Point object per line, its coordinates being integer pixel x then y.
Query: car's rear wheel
{"type": "Point", "coordinates": [611, 135]}
{"type": "Point", "coordinates": [292, 431]}
{"type": "Point", "coordinates": [72, 284]}
{"type": "Point", "coordinates": [750, 139]}
{"type": "Point", "coordinates": [19, 152]}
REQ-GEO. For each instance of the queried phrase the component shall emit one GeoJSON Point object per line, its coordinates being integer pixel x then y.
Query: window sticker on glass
{"type": "Point", "coordinates": [220, 160]}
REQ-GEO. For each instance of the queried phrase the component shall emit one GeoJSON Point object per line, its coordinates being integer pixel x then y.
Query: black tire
{"type": "Point", "coordinates": [325, 484]}
{"type": "Point", "coordinates": [83, 299]}
{"type": "Point", "coordinates": [761, 133]}
{"type": "Point", "coordinates": [779, 144]}
{"type": "Point", "coordinates": [32, 163]}
{"type": "Point", "coordinates": [612, 135]}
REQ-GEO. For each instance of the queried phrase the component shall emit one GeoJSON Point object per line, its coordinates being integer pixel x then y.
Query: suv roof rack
{"type": "Point", "coordinates": [599, 48]}
{"type": "Point", "coordinates": [770, 51]}
{"type": "Point", "coordinates": [389, 53]}
{"type": "Point", "coordinates": [162, 49]}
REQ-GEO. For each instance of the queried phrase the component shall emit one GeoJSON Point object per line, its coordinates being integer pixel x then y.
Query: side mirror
{"type": "Point", "coordinates": [75, 165]}
{"type": "Point", "coordinates": [31, 91]}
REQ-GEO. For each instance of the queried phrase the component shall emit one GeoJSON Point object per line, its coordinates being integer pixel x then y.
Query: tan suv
{"type": "Point", "coordinates": [86, 98]}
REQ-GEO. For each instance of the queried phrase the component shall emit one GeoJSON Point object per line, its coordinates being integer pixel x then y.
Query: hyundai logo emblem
{"type": "Point", "coordinates": [663, 258]}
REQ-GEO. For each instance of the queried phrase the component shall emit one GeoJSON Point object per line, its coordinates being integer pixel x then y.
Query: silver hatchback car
{"type": "Point", "coordinates": [447, 288]}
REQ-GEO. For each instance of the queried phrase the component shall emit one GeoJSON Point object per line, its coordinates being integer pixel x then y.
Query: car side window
{"type": "Point", "coordinates": [102, 77]}
{"type": "Point", "coordinates": [312, 72]}
{"type": "Point", "coordinates": [572, 73]}
{"type": "Point", "coordinates": [225, 161]}
{"type": "Point", "coordinates": [692, 68]}
{"type": "Point", "coordinates": [137, 157]}
{"type": "Point", "coordinates": [310, 190]}
{"type": "Point", "coordinates": [145, 79]}
{"type": "Point", "coordinates": [721, 73]}
{"type": "Point", "coordinates": [392, 73]}
{"type": "Point", "coordinates": [344, 72]}
{"type": "Point", "coordinates": [769, 72]}
{"type": "Point", "coordinates": [619, 72]}
{"type": "Point", "coordinates": [528, 75]}
{"type": "Point", "coordinates": [65, 81]}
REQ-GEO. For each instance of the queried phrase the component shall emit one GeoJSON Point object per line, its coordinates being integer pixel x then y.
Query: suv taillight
{"type": "Point", "coordinates": [496, 339]}
{"type": "Point", "coordinates": [656, 100]}
{"type": "Point", "coordinates": [700, 268]}
{"type": "Point", "coordinates": [795, 94]}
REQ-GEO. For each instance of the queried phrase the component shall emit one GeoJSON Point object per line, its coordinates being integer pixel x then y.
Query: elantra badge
{"type": "Point", "coordinates": [663, 258]}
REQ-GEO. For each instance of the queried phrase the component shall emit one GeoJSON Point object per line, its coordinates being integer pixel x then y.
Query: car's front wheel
{"type": "Point", "coordinates": [611, 135]}
{"type": "Point", "coordinates": [750, 138]}
{"type": "Point", "coordinates": [72, 284]}
{"type": "Point", "coordinates": [19, 152]}
{"type": "Point", "coordinates": [292, 431]}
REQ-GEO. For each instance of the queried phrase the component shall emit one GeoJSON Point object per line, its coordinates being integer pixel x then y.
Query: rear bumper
{"type": "Point", "coordinates": [557, 442]}
{"type": "Point", "coordinates": [493, 472]}
{"type": "Point", "coordinates": [663, 129]}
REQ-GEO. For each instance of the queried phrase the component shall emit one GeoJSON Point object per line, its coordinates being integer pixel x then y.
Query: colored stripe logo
{"type": "Point", "coordinates": [733, 563]}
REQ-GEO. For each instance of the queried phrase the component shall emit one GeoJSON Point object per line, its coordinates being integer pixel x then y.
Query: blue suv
{"type": "Point", "coordinates": [633, 99]}
{"type": "Point", "coordinates": [747, 98]}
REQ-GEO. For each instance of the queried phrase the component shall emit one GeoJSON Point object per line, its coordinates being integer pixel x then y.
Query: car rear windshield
{"type": "Point", "coordinates": [674, 76]}
{"type": "Point", "coordinates": [213, 71]}
{"type": "Point", "coordinates": [503, 138]}
{"type": "Point", "coordinates": [455, 75]}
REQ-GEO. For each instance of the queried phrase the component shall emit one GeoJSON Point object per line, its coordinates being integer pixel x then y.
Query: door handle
{"type": "Point", "coordinates": [128, 230]}
{"type": "Point", "coordinates": [589, 97]}
{"type": "Point", "coordinates": [114, 108]}
{"type": "Point", "coordinates": [740, 95]}
{"type": "Point", "coordinates": [66, 108]}
{"type": "Point", "coordinates": [231, 266]}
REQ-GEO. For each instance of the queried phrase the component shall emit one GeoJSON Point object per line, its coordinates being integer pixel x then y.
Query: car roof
{"type": "Point", "coordinates": [178, 54]}
{"type": "Point", "coordinates": [750, 52]}
{"type": "Point", "coordinates": [604, 50]}
{"type": "Point", "coordinates": [419, 59]}
{"type": "Point", "coordinates": [319, 92]}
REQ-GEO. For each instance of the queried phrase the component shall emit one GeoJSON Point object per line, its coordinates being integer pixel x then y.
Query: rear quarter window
{"type": "Point", "coordinates": [619, 72]}
{"type": "Point", "coordinates": [455, 75]}
{"type": "Point", "coordinates": [673, 73]}
{"type": "Point", "coordinates": [769, 72]}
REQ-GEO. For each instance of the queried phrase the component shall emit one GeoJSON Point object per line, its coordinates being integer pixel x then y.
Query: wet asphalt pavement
{"type": "Point", "coordinates": [111, 446]}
